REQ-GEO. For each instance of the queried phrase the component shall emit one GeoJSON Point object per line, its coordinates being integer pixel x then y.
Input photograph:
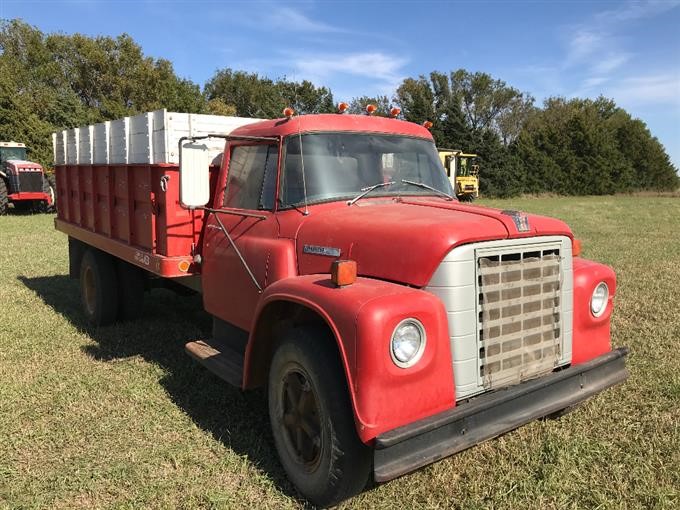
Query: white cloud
{"type": "Point", "coordinates": [661, 89]}
{"type": "Point", "coordinates": [291, 20]}
{"type": "Point", "coordinates": [383, 69]}
{"type": "Point", "coordinates": [582, 44]}
{"type": "Point", "coordinates": [610, 63]}
{"type": "Point", "coordinates": [594, 82]}
{"type": "Point", "coordinates": [633, 10]}
{"type": "Point", "coordinates": [598, 49]}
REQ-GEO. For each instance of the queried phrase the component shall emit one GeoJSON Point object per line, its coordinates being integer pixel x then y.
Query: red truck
{"type": "Point", "coordinates": [391, 325]}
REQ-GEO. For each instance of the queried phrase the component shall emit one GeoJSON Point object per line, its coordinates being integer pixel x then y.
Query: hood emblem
{"type": "Point", "coordinates": [321, 250]}
{"type": "Point", "coordinates": [521, 220]}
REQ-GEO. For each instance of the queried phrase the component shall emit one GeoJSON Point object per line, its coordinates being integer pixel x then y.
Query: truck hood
{"type": "Point", "coordinates": [404, 240]}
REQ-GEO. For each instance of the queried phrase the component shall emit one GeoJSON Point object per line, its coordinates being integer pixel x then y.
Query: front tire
{"type": "Point", "coordinates": [50, 188]}
{"type": "Point", "coordinates": [98, 288]}
{"type": "Point", "coordinates": [4, 201]}
{"type": "Point", "coordinates": [312, 420]}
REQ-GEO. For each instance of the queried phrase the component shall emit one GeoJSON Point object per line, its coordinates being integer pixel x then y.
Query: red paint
{"type": "Point", "coordinates": [122, 209]}
{"type": "Point", "coordinates": [29, 195]}
{"type": "Point", "coordinates": [362, 316]}
{"type": "Point", "coordinates": [332, 122]}
{"type": "Point", "coordinates": [591, 336]}
{"type": "Point", "coordinates": [397, 244]}
{"type": "Point", "coordinates": [14, 168]}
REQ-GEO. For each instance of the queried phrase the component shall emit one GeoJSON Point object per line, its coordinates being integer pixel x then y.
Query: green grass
{"type": "Point", "coordinates": [119, 417]}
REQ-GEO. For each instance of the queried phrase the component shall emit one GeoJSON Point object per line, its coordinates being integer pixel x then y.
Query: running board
{"type": "Point", "coordinates": [219, 358]}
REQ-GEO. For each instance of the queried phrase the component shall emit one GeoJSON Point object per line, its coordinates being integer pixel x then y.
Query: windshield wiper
{"type": "Point", "coordinates": [425, 186]}
{"type": "Point", "coordinates": [366, 191]}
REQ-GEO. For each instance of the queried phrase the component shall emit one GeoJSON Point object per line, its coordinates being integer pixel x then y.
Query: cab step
{"type": "Point", "coordinates": [218, 357]}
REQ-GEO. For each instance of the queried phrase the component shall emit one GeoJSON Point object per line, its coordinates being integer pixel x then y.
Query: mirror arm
{"type": "Point", "coordinates": [238, 252]}
{"type": "Point", "coordinates": [233, 213]}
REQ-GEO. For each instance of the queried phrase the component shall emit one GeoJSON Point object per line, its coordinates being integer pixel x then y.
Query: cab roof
{"type": "Point", "coordinates": [332, 122]}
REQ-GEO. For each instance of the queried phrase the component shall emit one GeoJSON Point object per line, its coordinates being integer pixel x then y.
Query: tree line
{"type": "Point", "coordinates": [575, 146]}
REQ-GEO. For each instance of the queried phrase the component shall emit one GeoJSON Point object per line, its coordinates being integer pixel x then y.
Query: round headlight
{"type": "Point", "coordinates": [598, 303]}
{"type": "Point", "coordinates": [408, 343]}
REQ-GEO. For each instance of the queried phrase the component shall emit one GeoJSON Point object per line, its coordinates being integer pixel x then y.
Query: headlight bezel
{"type": "Point", "coordinates": [605, 299]}
{"type": "Point", "coordinates": [421, 348]}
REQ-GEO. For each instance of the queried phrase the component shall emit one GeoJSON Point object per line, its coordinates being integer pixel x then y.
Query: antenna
{"type": "Point", "coordinates": [302, 157]}
{"type": "Point", "coordinates": [302, 164]}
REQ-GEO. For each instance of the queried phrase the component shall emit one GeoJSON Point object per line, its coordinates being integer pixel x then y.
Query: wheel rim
{"type": "Point", "coordinates": [300, 419]}
{"type": "Point", "coordinates": [89, 290]}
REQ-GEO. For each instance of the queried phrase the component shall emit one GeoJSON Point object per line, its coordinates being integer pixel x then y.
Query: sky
{"type": "Point", "coordinates": [625, 50]}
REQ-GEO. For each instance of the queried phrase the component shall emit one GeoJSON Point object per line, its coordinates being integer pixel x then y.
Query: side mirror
{"type": "Point", "coordinates": [194, 174]}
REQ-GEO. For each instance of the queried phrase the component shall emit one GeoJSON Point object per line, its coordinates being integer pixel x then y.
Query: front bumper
{"type": "Point", "coordinates": [407, 448]}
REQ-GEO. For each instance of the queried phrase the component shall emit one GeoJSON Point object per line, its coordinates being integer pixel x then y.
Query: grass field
{"type": "Point", "coordinates": [120, 417]}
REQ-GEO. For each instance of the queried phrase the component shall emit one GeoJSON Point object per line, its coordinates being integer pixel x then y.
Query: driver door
{"type": "Point", "coordinates": [233, 270]}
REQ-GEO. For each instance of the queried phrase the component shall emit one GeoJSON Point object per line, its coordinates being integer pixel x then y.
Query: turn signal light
{"type": "Point", "coordinates": [344, 272]}
{"type": "Point", "coordinates": [371, 108]}
{"type": "Point", "coordinates": [576, 247]}
{"type": "Point", "coordinates": [288, 112]}
{"type": "Point", "coordinates": [342, 107]}
{"type": "Point", "coordinates": [427, 124]}
{"type": "Point", "coordinates": [183, 265]}
{"type": "Point", "coordinates": [395, 111]}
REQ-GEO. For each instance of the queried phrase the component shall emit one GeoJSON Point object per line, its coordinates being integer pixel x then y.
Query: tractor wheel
{"type": "Point", "coordinates": [4, 201]}
{"type": "Point", "coordinates": [49, 187]}
{"type": "Point", "coordinates": [131, 286]}
{"type": "Point", "coordinates": [98, 287]}
{"type": "Point", "coordinates": [312, 420]}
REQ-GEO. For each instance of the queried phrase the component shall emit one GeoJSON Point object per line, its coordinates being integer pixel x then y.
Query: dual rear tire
{"type": "Point", "coordinates": [110, 289]}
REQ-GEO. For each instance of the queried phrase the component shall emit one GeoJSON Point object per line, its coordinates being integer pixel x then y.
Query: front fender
{"type": "Point", "coordinates": [362, 317]}
{"type": "Point", "coordinates": [592, 335]}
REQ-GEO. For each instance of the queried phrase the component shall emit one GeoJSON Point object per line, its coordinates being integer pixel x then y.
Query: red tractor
{"type": "Point", "coordinates": [23, 184]}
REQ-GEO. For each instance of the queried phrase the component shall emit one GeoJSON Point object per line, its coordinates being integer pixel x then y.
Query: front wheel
{"type": "Point", "coordinates": [312, 420]}
{"type": "Point", "coordinates": [49, 188]}
{"type": "Point", "coordinates": [4, 200]}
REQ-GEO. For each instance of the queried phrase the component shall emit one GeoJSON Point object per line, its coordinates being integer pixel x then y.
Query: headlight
{"type": "Point", "coordinates": [408, 343]}
{"type": "Point", "coordinates": [598, 303]}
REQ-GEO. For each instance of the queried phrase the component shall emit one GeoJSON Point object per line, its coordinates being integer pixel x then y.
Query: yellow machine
{"type": "Point", "coordinates": [463, 171]}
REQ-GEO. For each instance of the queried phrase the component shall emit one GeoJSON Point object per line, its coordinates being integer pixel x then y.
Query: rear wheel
{"type": "Point", "coordinates": [312, 420]}
{"type": "Point", "coordinates": [98, 288]}
{"type": "Point", "coordinates": [131, 286]}
{"type": "Point", "coordinates": [4, 201]}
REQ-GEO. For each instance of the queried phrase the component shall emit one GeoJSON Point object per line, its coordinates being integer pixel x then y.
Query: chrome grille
{"type": "Point", "coordinates": [519, 317]}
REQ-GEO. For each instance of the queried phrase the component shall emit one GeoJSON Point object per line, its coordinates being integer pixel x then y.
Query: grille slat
{"type": "Point", "coordinates": [519, 315]}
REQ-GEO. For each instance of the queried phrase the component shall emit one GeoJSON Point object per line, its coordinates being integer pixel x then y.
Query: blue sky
{"type": "Point", "coordinates": [629, 51]}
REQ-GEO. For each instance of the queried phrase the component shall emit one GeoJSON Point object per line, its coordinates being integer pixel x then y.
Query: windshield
{"type": "Point", "coordinates": [7, 153]}
{"type": "Point", "coordinates": [339, 166]}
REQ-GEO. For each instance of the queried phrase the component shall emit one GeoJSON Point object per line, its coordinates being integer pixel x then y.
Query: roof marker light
{"type": "Point", "coordinates": [288, 112]}
{"type": "Point", "coordinates": [371, 109]}
{"type": "Point", "coordinates": [394, 112]}
{"type": "Point", "coordinates": [342, 107]}
{"type": "Point", "coordinates": [427, 124]}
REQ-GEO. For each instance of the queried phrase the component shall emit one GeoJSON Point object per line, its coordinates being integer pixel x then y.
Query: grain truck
{"type": "Point", "coordinates": [391, 325]}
